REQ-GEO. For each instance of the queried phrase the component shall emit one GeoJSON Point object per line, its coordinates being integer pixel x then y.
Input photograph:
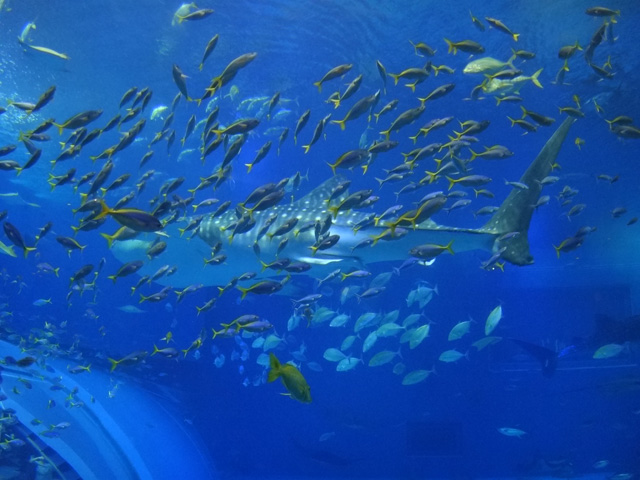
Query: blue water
{"type": "Point", "coordinates": [362, 423]}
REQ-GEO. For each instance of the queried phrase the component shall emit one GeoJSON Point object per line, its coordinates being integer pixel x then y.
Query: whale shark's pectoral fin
{"type": "Point", "coordinates": [321, 260]}
{"type": "Point", "coordinates": [514, 215]}
{"type": "Point", "coordinates": [327, 259]}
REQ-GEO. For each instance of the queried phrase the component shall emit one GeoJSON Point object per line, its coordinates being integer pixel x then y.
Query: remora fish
{"type": "Point", "coordinates": [514, 215]}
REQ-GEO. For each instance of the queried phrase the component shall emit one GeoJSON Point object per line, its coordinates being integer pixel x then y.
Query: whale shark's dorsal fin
{"type": "Point", "coordinates": [514, 215]}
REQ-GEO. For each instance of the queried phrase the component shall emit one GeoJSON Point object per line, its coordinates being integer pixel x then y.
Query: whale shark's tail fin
{"type": "Point", "coordinates": [514, 215]}
{"type": "Point", "coordinates": [548, 358]}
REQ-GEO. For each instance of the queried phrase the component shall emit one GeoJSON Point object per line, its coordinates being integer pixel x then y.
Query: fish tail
{"type": "Point", "coordinates": [114, 364]}
{"type": "Point", "coordinates": [142, 298]}
{"type": "Point", "coordinates": [56, 271]}
{"type": "Point", "coordinates": [249, 167]}
{"type": "Point", "coordinates": [319, 85]}
{"type": "Point", "coordinates": [451, 47]}
{"type": "Point", "coordinates": [109, 239]}
{"type": "Point", "coordinates": [448, 247]}
{"type": "Point", "coordinates": [155, 350]}
{"type": "Point", "coordinates": [333, 167]}
{"type": "Point", "coordinates": [113, 277]}
{"type": "Point", "coordinates": [515, 214]}
{"type": "Point", "coordinates": [515, 37]}
{"type": "Point", "coordinates": [513, 122]}
{"type": "Point", "coordinates": [27, 250]}
{"type": "Point", "coordinates": [105, 210]}
{"type": "Point", "coordinates": [340, 122]}
{"type": "Point", "coordinates": [200, 66]}
{"type": "Point", "coordinates": [524, 111]}
{"type": "Point", "coordinates": [557, 249]}
{"type": "Point", "coordinates": [452, 182]}
{"type": "Point", "coordinates": [274, 368]}
{"type": "Point", "coordinates": [244, 292]}
{"type": "Point", "coordinates": [386, 133]}
{"type": "Point", "coordinates": [306, 148]}
{"type": "Point", "coordinates": [60, 127]}
{"type": "Point", "coordinates": [534, 78]}
{"type": "Point", "coordinates": [473, 155]}
{"type": "Point", "coordinates": [395, 77]}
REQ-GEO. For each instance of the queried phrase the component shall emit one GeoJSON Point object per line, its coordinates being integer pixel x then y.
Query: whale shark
{"type": "Point", "coordinates": [514, 215]}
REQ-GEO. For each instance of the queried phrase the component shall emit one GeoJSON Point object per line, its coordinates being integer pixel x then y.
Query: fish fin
{"type": "Point", "coordinates": [114, 364]}
{"type": "Point", "coordinates": [451, 48]}
{"type": "Point", "coordinates": [109, 239]}
{"type": "Point", "coordinates": [340, 122]}
{"type": "Point", "coordinates": [534, 78]}
{"type": "Point", "coordinates": [105, 210]}
{"type": "Point", "coordinates": [275, 367]}
{"type": "Point", "coordinates": [514, 215]}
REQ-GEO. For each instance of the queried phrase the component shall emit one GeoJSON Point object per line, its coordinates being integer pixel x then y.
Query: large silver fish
{"type": "Point", "coordinates": [514, 215]}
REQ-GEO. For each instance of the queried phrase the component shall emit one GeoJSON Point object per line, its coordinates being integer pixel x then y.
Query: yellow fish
{"type": "Point", "coordinates": [291, 378]}
{"type": "Point", "coordinates": [168, 337]}
{"type": "Point", "coordinates": [7, 249]}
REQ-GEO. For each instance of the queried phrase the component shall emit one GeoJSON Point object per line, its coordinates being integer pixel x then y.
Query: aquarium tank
{"type": "Point", "coordinates": [297, 239]}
